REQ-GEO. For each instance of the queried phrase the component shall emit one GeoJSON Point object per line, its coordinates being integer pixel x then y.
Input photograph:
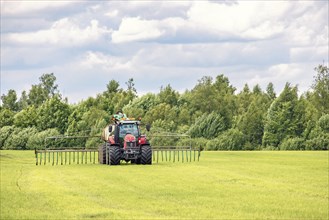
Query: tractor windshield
{"type": "Point", "coordinates": [128, 128]}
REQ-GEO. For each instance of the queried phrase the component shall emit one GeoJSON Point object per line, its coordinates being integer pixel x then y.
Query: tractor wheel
{"type": "Point", "coordinates": [146, 157]}
{"type": "Point", "coordinates": [103, 154]}
{"type": "Point", "coordinates": [115, 155]}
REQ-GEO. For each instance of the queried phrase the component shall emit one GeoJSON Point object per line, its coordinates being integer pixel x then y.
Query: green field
{"type": "Point", "coordinates": [223, 185]}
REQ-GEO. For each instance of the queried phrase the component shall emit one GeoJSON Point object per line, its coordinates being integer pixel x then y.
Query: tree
{"type": "Point", "coordinates": [131, 85]}
{"type": "Point", "coordinates": [203, 95]}
{"type": "Point", "coordinates": [111, 88]}
{"type": "Point", "coordinates": [9, 101]}
{"type": "Point", "coordinates": [36, 95]}
{"type": "Point", "coordinates": [207, 97]}
{"type": "Point", "coordinates": [257, 90]}
{"type": "Point", "coordinates": [19, 137]}
{"type": "Point", "coordinates": [38, 140]}
{"type": "Point", "coordinates": [251, 123]}
{"type": "Point", "coordinates": [270, 91]}
{"type": "Point", "coordinates": [5, 132]}
{"type": "Point", "coordinates": [168, 95]}
{"type": "Point", "coordinates": [231, 139]}
{"type": "Point", "coordinates": [283, 118]}
{"type": "Point", "coordinates": [138, 107]}
{"type": "Point", "coordinates": [26, 118]}
{"type": "Point", "coordinates": [244, 99]}
{"type": "Point", "coordinates": [6, 117]}
{"type": "Point", "coordinates": [208, 126]}
{"type": "Point", "coordinates": [44, 90]}
{"type": "Point", "coordinates": [321, 89]}
{"type": "Point", "coordinates": [47, 82]}
{"type": "Point", "coordinates": [324, 123]}
{"type": "Point", "coordinates": [53, 113]}
{"type": "Point", "coordinates": [23, 101]}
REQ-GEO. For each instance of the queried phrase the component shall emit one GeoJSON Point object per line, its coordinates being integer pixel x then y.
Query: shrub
{"type": "Point", "coordinates": [19, 137]}
{"type": "Point", "coordinates": [324, 123]}
{"type": "Point", "coordinates": [319, 143]}
{"type": "Point", "coordinates": [6, 117]}
{"type": "Point", "coordinates": [249, 146]}
{"type": "Point", "coordinates": [4, 134]}
{"type": "Point", "coordinates": [231, 139]}
{"type": "Point", "coordinates": [213, 144]}
{"type": "Point", "coordinates": [270, 148]}
{"type": "Point", "coordinates": [208, 126]}
{"type": "Point", "coordinates": [38, 140]}
{"type": "Point", "coordinates": [293, 144]}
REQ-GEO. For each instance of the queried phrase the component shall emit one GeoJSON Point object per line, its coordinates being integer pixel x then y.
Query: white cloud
{"type": "Point", "coordinates": [13, 8]}
{"type": "Point", "coordinates": [93, 60]}
{"type": "Point", "coordinates": [135, 29]}
{"type": "Point", "coordinates": [63, 32]}
{"type": "Point", "coordinates": [159, 43]}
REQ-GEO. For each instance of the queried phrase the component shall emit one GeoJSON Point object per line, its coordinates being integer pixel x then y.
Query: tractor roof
{"type": "Point", "coordinates": [128, 121]}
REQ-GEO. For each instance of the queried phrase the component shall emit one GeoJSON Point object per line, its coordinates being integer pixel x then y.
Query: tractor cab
{"type": "Point", "coordinates": [124, 128]}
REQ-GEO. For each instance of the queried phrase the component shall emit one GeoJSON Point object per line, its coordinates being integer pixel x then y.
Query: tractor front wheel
{"type": "Point", "coordinates": [146, 157]}
{"type": "Point", "coordinates": [115, 155]}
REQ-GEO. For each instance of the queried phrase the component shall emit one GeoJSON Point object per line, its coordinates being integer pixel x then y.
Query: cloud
{"type": "Point", "coordinates": [159, 43]}
{"type": "Point", "coordinates": [135, 29]}
{"type": "Point", "coordinates": [19, 8]}
{"type": "Point", "coordinates": [64, 32]}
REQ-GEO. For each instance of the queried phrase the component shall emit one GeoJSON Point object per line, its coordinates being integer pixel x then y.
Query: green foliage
{"type": "Point", "coordinates": [19, 137]}
{"type": "Point", "coordinates": [36, 95]}
{"type": "Point", "coordinates": [23, 101]}
{"type": "Point", "coordinates": [320, 86]}
{"type": "Point", "coordinates": [293, 144]}
{"type": "Point", "coordinates": [231, 139]}
{"type": "Point", "coordinates": [5, 132]}
{"type": "Point", "coordinates": [38, 140]}
{"type": "Point", "coordinates": [283, 118]}
{"type": "Point", "coordinates": [208, 126]}
{"type": "Point", "coordinates": [161, 111]}
{"type": "Point", "coordinates": [9, 101]}
{"type": "Point", "coordinates": [208, 96]}
{"type": "Point", "coordinates": [211, 113]}
{"type": "Point", "coordinates": [141, 105]}
{"type": "Point", "coordinates": [44, 90]}
{"type": "Point", "coordinates": [270, 91]}
{"type": "Point", "coordinates": [251, 122]}
{"type": "Point", "coordinates": [324, 123]}
{"type": "Point", "coordinates": [26, 118]}
{"type": "Point", "coordinates": [94, 142]}
{"type": "Point", "coordinates": [6, 117]}
{"type": "Point", "coordinates": [53, 113]}
{"type": "Point", "coordinates": [161, 125]}
{"type": "Point", "coordinates": [168, 95]}
{"type": "Point", "coordinates": [319, 143]}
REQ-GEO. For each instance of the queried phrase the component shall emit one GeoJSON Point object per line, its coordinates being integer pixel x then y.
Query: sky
{"type": "Point", "coordinates": [88, 43]}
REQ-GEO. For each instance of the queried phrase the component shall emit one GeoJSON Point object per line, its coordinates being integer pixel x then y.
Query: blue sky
{"type": "Point", "coordinates": [88, 43]}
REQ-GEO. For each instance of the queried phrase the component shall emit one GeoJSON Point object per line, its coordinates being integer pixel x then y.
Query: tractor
{"type": "Point", "coordinates": [123, 141]}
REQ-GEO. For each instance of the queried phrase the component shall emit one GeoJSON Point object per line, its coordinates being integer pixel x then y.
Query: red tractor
{"type": "Point", "coordinates": [124, 141]}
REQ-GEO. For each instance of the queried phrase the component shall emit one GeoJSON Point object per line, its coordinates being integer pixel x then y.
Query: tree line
{"type": "Point", "coordinates": [213, 113]}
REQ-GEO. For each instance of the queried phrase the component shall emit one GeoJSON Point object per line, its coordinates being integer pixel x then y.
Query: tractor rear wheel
{"type": "Point", "coordinates": [146, 157]}
{"type": "Point", "coordinates": [115, 155]}
{"type": "Point", "coordinates": [104, 153]}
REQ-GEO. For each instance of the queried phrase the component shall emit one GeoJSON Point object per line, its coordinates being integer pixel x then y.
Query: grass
{"type": "Point", "coordinates": [223, 185]}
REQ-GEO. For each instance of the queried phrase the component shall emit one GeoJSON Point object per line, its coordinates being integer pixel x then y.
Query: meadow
{"type": "Point", "coordinates": [222, 185]}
